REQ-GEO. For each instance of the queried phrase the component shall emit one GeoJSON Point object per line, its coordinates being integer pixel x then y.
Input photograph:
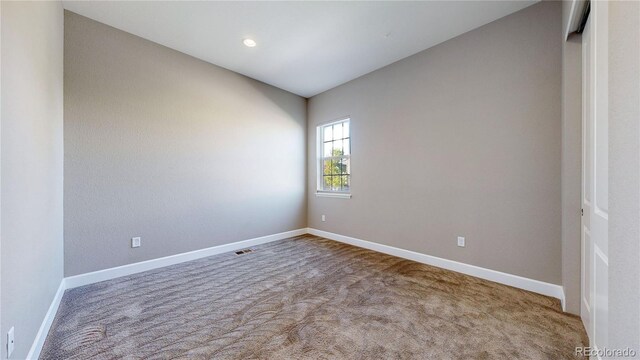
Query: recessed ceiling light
{"type": "Point", "coordinates": [249, 42]}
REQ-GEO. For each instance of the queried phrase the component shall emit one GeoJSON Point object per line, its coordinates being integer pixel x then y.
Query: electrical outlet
{"type": "Point", "coordinates": [135, 242]}
{"type": "Point", "coordinates": [324, 218]}
{"type": "Point", "coordinates": [10, 342]}
{"type": "Point", "coordinates": [461, 241]}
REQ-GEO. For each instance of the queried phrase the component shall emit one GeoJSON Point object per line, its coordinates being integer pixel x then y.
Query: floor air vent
{"type": "Point", "coordinates": [245, 251]}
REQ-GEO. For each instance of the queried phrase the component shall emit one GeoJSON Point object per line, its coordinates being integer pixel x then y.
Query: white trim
{"type": "Point", "coordinates": [520, 282]}
{"type": "Point", "coordinates": [320, 153]}
{"type": "Point", "coordinates": [333, 195]}
{"type": "Point", "coordinates": [333, 122]}
{"type": "Point", "coordinates": [112, 273]}
{"type": "Point", "coordinates": [41, 336]}
{"type": "Point", "coordinates": [93, 277]}
{"type": "Point", "coordinates": [129, 269]}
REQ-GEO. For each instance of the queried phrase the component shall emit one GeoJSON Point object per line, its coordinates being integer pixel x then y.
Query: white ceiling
{"type": "Point", "coordinates": [303, 47]}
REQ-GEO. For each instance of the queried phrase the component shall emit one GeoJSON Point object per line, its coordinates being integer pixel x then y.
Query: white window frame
{"type": "Point", "coordinates": [320, 192]}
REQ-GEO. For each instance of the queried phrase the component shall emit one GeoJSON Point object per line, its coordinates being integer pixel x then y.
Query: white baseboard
{"type": "Point", "coordinates": [124, 270]}
{"type": "Point", "coordinates": [520, 282]}
{"type": "Point", "coordinates": [112, 273]}
{"type": "Point", "coordinates": [41, 336]}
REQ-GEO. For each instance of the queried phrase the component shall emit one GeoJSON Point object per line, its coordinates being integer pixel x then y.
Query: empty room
{"type": "Point", "coordinates": [320, 179]}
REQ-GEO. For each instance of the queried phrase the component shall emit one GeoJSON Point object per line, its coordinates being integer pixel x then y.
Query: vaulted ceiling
{"type": "Point", "coordinates": [303, 47]}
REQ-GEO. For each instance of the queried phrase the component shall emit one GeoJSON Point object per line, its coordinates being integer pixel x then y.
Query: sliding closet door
{"type": "Point", "coordinates": [595, 188]}
{"type": "Point", "coordinates": [587, 247]}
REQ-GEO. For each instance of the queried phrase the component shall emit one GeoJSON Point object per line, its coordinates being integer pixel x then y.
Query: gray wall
{"type": "Point", "coordinates": [161, 145]}
{"type": "Point", "coordinates": [624, 175]}
{"type": "Point", "coordinates": [32, 155]}
{"type": "Point", "coordinates": [461, 139]}
{"type": "Point", "coordinates": [571, 169]}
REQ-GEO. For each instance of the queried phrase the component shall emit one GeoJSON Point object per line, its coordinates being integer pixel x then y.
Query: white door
{"type": "Point", "coordinates": [595, 174]}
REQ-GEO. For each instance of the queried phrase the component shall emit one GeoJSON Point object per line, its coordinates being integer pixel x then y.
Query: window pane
{"type": "Point", "coordinates": [337, 131]}
{"type": "Point", "coordinates": [347, 166]}
{"type": "Point", "coordinates": [336, 167]}
{"type": "Point", "coordinates": [326, 167]}
{"type": "Point", "coordinates": [344, 183]}
{"type": "Point", "coordinates": [337, 148]}
{"type": "Point", "coordinates": [326, 184]}
{"type": "Point", "coordinates": [346, 146]}
{"type": "Point", "coordinates": [327, 133]}
{"type": "Point", "coordinates": [327, 149]}
{"type": "Point", "coordinates": [345, 130]}
{"type": "Point", "coordinates": [342, 166]}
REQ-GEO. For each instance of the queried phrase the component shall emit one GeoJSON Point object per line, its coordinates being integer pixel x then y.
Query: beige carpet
{"type": "Point", "coordinates": [308, 298]}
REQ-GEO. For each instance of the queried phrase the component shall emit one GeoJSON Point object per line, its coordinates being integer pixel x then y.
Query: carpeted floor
{"type": "Point", "coordinates": [312, 298]}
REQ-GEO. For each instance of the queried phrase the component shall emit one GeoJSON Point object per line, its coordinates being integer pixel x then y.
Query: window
{"type": "Point", "coordinates": [334, 159]}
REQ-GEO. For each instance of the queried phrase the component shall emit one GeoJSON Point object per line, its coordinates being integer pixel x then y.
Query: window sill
{"type": "Point", "coordinates": [333, 195]}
